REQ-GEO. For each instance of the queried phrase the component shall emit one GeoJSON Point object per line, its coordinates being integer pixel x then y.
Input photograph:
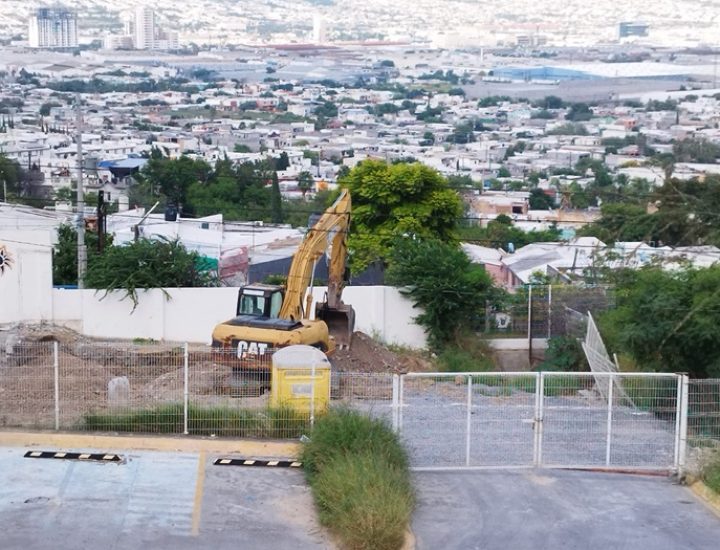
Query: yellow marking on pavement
{"type": "Point", "coordinates": [296, 464]}
{"type": "Point", "coordinates": [272, 463]}
{"type": "Point", "coordinates": [225, 461]}
{"type": "Point", "coordinates": [60, 455]}
{"type": "Point", "coordinates": [199, 488]}
{"type": "Point", "coordinates": [36, 453]}
{"type": "Point", "coordinates": [183, 444]}
{"type": "Point", "coordinates": [84, 456]}
{"type": "Point", "coordinates": [710, 498]}
{"type": "Point", "coordinates": [249, 462]}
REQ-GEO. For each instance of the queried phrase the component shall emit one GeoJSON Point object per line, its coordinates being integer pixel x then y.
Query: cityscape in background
{"type": "Point", "coordinates": [529, 109]}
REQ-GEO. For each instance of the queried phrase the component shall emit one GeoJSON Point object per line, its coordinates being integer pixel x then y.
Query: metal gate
{"type": "Point", "coordinates": [550, 419]}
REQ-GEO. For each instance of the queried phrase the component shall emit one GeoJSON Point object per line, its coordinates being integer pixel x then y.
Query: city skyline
{"type": "Point", "coordinates": [451, 23]}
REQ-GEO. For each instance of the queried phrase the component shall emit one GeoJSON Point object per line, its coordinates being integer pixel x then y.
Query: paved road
{"type": "Point", "coordinates": [559, 510]}
{"type": "Point", "coordinates": [152, 500]}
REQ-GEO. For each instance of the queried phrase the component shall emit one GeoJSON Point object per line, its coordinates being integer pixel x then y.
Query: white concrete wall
{"type": "Point", "coordinates": [190, 314]}
{"type": "Point", "coordinates": [513, 344]}
{"type": "Point", "coordinates": [24, 286]}
{"type": "Point", "coordinates": [382, 312]}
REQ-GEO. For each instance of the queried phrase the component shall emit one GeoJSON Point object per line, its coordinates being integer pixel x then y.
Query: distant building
{"type": "Point", "coordinates": [147, 35]}
{"type": "Point", "coordinates": [628, 29]}
{"type": "Point", "coordinates": [53, 28]}
{"type": "Point", "coordinates": [118, 42]}
{"type": "Point", "coordinates": [319, 30]}
{"type": "Point", "coordinates": [144, 29]}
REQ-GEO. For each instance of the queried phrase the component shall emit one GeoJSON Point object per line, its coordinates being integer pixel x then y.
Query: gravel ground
{"type": "Point", "coordinates": [435, 429]}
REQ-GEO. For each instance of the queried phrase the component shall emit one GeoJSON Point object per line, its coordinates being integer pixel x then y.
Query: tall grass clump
{"type": "Point", "coordinates": [711, 472]}
{"type": "Point", "coordinates": [359, 475]}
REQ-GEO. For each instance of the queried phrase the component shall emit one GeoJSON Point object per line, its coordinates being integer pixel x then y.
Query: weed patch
{"type": "Point", "coordinates": [358, 471]}
{"type": "Point", "coordinates": [711, 472]}
{"type": "Point", "coordinates": [270, 422]}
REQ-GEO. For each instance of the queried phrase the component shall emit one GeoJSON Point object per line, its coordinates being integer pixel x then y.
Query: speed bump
{"type": "Point", "coordinates": [96, 457]}
{"type": "Point", "coordinates": [253, 462]}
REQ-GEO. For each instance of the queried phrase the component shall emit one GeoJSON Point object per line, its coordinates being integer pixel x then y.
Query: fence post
{"type": "Point", "coordinates": [468, 421]}
{"type": "Point", "coordinates": [56, 383]}
{"type": "Point", "coordinates": [536, 422]}
{"type": "Point", "coordinates": [549, 324]}
{"type": "Point", "coordinates": [681, 422]}
{"type": "Point", "coordinates": [609, 420]}
{"type": "Point", "coordinates": [312, 395]}
{"type": "Point", "coordinates": [684, 419]}
{"type": "Point", "coordinates": [401, 402]}
{"type": "Point", "coordinates": [541, 419]}
{"type": "Point", "coordinates": [186, 389]}
{"type": "Point", "coordinates": [395, 402]}
{"type": "Point", "coordinates": [529, 324]}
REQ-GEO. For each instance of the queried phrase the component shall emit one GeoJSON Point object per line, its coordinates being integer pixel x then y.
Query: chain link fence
{"type": "Point", "coordinates": [448, 419]}
{"type": "Point", "coordinates": [548, 311]}
{"type": "Point", "coordinates": [165, 389]}
{"type": "Point", "coordinates": [704, 412]}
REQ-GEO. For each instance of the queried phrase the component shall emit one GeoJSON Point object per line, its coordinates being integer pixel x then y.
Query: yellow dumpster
{"type": "Point", "coordinates": [300, 379]}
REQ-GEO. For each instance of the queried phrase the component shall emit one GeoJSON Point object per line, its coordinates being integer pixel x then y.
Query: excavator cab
{"type": "Point", "coordinates": [260, 300]}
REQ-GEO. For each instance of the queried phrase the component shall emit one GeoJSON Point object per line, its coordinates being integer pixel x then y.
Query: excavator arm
{"type": "Point", "coordinates": [329, 235]}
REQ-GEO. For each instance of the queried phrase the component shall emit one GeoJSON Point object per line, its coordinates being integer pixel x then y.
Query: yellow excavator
{"type": "Point", "coordinates": [270, 317]}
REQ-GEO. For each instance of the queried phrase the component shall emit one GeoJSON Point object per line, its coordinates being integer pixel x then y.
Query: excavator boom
{"type": "Point", "coordinates": [329, 234]}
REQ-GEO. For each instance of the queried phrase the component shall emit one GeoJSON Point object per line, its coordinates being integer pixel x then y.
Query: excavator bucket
{"type": "Point", "coordinates": [340, 321]}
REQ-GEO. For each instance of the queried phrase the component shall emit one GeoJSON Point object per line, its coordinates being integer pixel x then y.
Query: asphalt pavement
{"type": "Point", "coordinates": [559, 510]}
{"type": "Point", "coordinates": [153, 500]}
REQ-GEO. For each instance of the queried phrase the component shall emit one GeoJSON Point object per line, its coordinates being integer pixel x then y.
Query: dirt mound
{"type": "Point", "coordinates": [367, 355]}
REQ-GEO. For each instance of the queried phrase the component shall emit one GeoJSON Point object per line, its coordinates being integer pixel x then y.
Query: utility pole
{"type": "Point", "coordinates": [101, 220]}
{"type": "Point", "coordinates": [4, 190]}
{"type": "Point", "coordinates": [81, 248]}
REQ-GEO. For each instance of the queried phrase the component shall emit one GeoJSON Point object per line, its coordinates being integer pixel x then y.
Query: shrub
{"type": "Point", "coordinates": [469, 354]}
{"type": "Point", "coordinates": [711, 472]}
{"type": "Point", "coordinates": [343, 431]}
{"type": "Point", "coordinates": [358, 471]}
{"type": "Point", "coordinates": [365, 501]}
{"type": "Point", "coordinates": [564, 354]}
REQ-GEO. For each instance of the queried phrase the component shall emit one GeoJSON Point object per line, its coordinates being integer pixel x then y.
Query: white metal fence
{"type": "Point", "coordinates": [578, 420]}
{"type": "Point", "coordinates": [461, 420]}
{"type": "Point", "coordinates": [161, 388]}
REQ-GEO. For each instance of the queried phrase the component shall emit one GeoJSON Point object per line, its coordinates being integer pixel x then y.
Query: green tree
{"type": "Point", "coordinates": [10, 174]}
{"type": "Point", "coordinates": [65, 254]}
{"type": "Point", "coordinates": [391, 200]}
{"type": "Point", "coordinates": [569, 129]}
{"type": "Point", "coordinates": [428, 138]}
{"type": "Point", "coordinates": [441, 280]}
{"type": "Point", "coordinates": [621, 222]}
{"type": "Point", "coordinates": [550, 102]}
{"type": "Point", "coordinates": [667, 320]}
{"type": "Point", "coordinates": [276, 200]}
{"type": "Point", "coordinates": [305, 182]}
{"type": "Point", "coordinates": [696, 150]}
{"type": "Point", "coordinates": [241, 148]}
{"type": "Point", "coordinates": [283, 162]}
{"type": "Point", "coordinates": [500, 233]}
{"type": "Point", "coordinates": [503, 172]}
{"type": "Point", "coordinates": [170, 179]}
{"type": "Point", "coordinates": [147, 264]}
{"type": "Point", "coordinates": [539, 200]}
{"type": "Point", "coordinates": [579, 112]}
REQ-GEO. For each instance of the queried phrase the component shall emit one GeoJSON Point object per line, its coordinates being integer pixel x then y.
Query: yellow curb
{"type": "Point", "coordinates": [707, 495]}
{"type": "Point", "coordinates": [197, 501]}
{"type": "Point", "coordinates": [246, 447]}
